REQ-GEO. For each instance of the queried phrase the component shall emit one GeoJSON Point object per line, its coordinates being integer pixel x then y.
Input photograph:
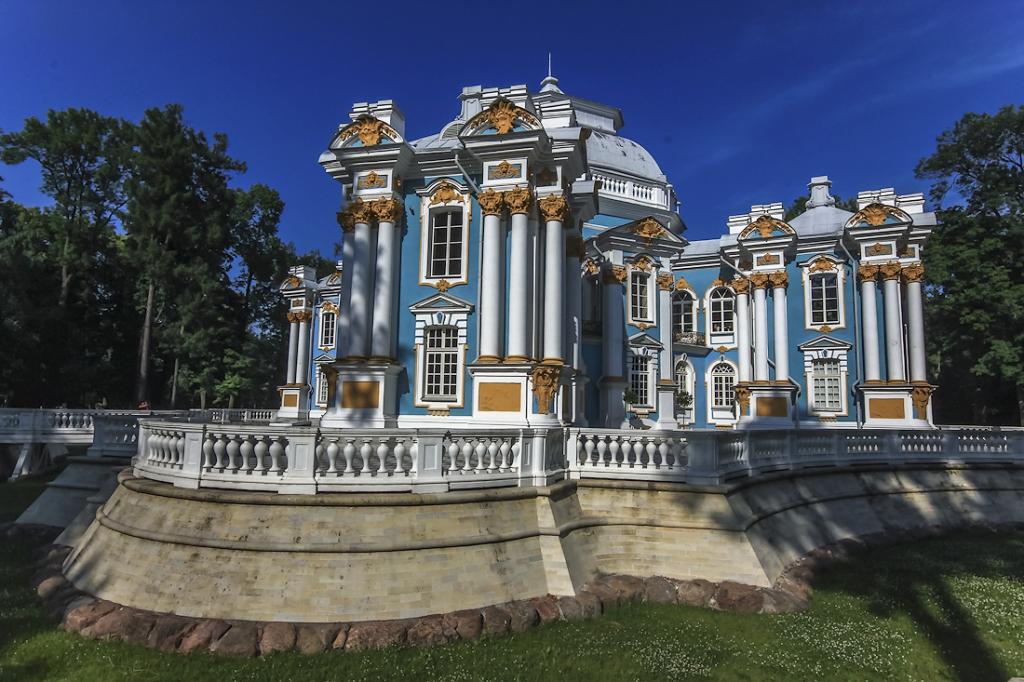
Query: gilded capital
{"type": "Point", "coordinates": [491, 202]}
{"type": "Point", "coordinates": [868, 272]}
{"type": "Point", "coordinates": [361, 212]}
{"type": "Point", "coordinates": [545, 385]}
{"type": "Point", "coordinates": [518, 200]}
{"type": "Point", "coordinates": [760, 280]}
{"type": "Point", "coordinates": [920, 395]}
{"type": "Point", "coordinates": [741, 286]}
{"type": "Point", "coordinates": [616, 274]}
{"type": "Point", "coordinates": [890, 270]}
{"type": "Point", "coordinates": [387, 210]}
{"type": "Point", "coordinates": [346, 220]}
{"type": "Point", "coordinates": [665, 281]}
{"type": "Point", "coordinates": [779, 279]}
{"type": "Point", "coordinates": [553, 207]}
{"type": "Point", "coordinates": [301, 316]}
{"type": "Point", "coordinates": [914, 272]}
{"type": "Point", "coordinates": [742, 398]}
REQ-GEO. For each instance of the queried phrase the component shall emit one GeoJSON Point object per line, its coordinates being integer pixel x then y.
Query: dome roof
{"type": "Point", "coordinates": [622, 154]}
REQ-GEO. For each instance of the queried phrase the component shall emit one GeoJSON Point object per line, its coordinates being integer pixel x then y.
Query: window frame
{"type": "Point", "coordinates": [638, 376]}
{"type": "Point", "coordinates": [325, 343]}
{"type": "Point", "coordinates": [442, 196]}
{"type": "Point", "coordinates": [635, 275]}
{"type": "Point", "coordinates": [440, 310]}
{"type": "Point", "coordinates": [832, 349]}
{"type": "Point", "coordinates": [830, 381]}
{"type": "Point", "coordinates": [824, 264]}
{"type": "Point", "coordinates": [685, 414]}
{"type": "Point", "coordinates": [714, 338]}
{"type": "Point", "coordinates": [452, 248]}
{"type": "Point", "coordinates": [323, 388]}
{"type": "Point", "coordinates": [718, 414]}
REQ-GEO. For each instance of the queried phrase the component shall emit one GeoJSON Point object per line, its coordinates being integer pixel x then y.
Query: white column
{"type": "Point", "coordinates": [384, 290]}
{"type": "Point", "coordinates": [915, 323]}
{"type": "Point", "coordinates": [760, 327]}
{"type": "Point", "coordinates": [293, 346]}
{"type": "Point", "coordinates": [362, 283]}
{"type": "Point", "coordinates": [302, 352]}
{"type": "Point", "coordinates": [779, 310]}
{"type": "Point", "coordinates": [553, 213]}
{"type": "Point", "coordinates": [666, 369]}
{"type": "Point", "coordinates": [742, 287]}
{"type": "Point", "coordinates": [893, 323]}
{"type": "Point", "coordinates": [519, 284]}
{"type": "Point", "coordinates": [492, 278]}
{"type": "Point", "coordinates": [869, 315]}
{"type": "Point", "coordinates": [347, 260]}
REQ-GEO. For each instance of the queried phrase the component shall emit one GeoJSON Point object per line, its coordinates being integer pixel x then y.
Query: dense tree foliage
{"type": "Point", "coordinates": [149, 276]}
{"type": "Point", "coordinates": [974, 264]}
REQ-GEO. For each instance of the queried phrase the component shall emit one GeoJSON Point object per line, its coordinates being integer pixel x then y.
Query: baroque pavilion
{"type": "Point", "coordinates": [526, 266]}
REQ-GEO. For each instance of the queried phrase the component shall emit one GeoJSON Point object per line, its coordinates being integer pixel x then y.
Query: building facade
{"type": "Point", "coordinates": [526, 266]}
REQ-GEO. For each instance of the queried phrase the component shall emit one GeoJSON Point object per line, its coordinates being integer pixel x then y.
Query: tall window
{"type": "Point", "coordinates": [825, 298]}
{"type": "Point", "coordinates": [328, 327]}
{"type": "Point", "coordinates": [640, 378]}
{"type": "Point", "coordinates": [682, 377]}
{"type": "Point", "coordinates": [722, 304]}
{"type": "Point", "coordinates": [827, 384]}
{"type": "Point", "coordinates": [683, 321]}
{"type": "Point", "coordinates": [322, 387]}
{"type": "Point", "coordinates": [446, 243]}
{"type": "Point", "coordinates": [441, 363]}
{"type": "Point", "coordinates": [723, 386]}
{"type": "Point", "coordinates": [640, 295]}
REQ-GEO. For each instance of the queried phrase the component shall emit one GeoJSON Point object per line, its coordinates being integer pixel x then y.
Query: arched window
{"type": "Point", "coordinates": [824, 298]}
{"type": "Point", "coordinates": [684, 322]}
{"type": "Point", "coordinates": [328, 329]}
{"type": "Point", "coordinates": [441, 363]}
{"type": "Point", "coordinates": [722, 304]}
{"type": "Point", "coordinates": [682, 377]}
{"type": "Point", "coordinates": [723, 386]}
{"type": "Point", "coordinates": [445, 244]}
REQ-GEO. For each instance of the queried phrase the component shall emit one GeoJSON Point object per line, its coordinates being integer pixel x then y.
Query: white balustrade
{"type": "Point", "coordinates": [632, 190]}
{"type": "Point", "coordinates": [620, 453]}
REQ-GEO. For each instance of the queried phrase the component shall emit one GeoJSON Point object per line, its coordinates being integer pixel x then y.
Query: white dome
{"type": "Point", "coordinates": [619, 153]}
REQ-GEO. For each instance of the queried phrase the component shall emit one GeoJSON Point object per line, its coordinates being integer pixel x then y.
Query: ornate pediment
{"type": "Point", "coordinates": [765, 227]}
{"type": "Point", "coordinates": [644, 340]}
{"type": "Point", "coordinates": [441, 303]}
{"type": "Point", "coordinates": [365, 131]}
{"type": "Point", "coordinates": [501, 118]}
{"type": "Point", "coordinates": [879, 215]}
{"type": "Point", "coordinates": [821, 343]}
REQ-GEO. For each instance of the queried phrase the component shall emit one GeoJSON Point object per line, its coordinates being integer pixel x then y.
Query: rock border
{"type": "Point", "coordinates": [100, 619]}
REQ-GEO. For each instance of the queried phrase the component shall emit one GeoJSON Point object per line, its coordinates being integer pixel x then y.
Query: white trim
{"type": "Point", "coordinates": [838, 269]}
{"type": "Point", "coordinates": [652, 293]}
{"type": "Point", "coordinates": [824, 348]}
{"type": "Point", "coordinates": [440, 310]}
{"type": "Point", "coordinates": [642, 345]}
{"type": "Point", "coordinates": [426, 211]}
{"type": "Point", "coordinates": [718, 339]}
{"type": "Point", "coordinates": [321, 327]}
{"type": "Point", "coordinates": [718, 415]}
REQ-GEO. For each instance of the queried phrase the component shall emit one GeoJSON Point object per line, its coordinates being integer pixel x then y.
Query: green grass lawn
{"type": "Point", "coordinates": [951, 608]}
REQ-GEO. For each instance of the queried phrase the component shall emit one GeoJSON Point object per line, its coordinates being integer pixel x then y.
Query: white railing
{"type": "Point", "coordinates": [226, 415]}
{"type": "Point", "coordinates": [304, 459]}
{"type": "Point", "coordinates": [635, 191]}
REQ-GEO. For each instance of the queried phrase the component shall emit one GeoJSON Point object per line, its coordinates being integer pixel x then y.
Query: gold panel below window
{"type": "Point", "coordinates": [289, 400]}
{"type": "Point", "coordinates": [772, 407]}
{"type": "Point", "coordinates": [360, 395]}
{"type": "Point", "coordinates": [500, 397]}
{"type": "Point", "coordinates": [886, 408]}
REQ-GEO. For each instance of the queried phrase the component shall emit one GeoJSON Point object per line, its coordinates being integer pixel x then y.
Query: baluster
{"type": "Point", "coordinates": [260, 451]}
{"type": "Point", "coordinates": [208, 453]}
{"type": "Point", "coordinates": [349, 453]}
{"type": "Point", "coordinates": [480, 450]}
{"type": "Point", "coordinates": [234, 458]}
{"type": "Point", "coordinates": [664, 452]}
{"type": "Point", "coordinates": [505, 452]}
{"type": "Point", "coordinates": [400, 451]}
{"type": "Point", "coordinates": [651, 450]}
{"type": "Point", "coordinates": [452, 453]}
{"type": "Point", "coordinates": [276, 454]}
{"type": "Point", "coordinates": [331, 451]}
{"type": "Point", "coordinates": [603, 454]}
{"type": "Point", "coordinates": [467, 449]}
{"type": "Point", "coordinates": [614, 450]}
{"type": "Point", "coordinates": [246, 450]}
{"type": "Point", "coordinates": [220, 450]}
{"type": "Point", "coordinates": [382, 458]}
{"type": "Point", "coordinates": [365, 465]}
{"type": "Point", "coordinates": [589, 450]}
{"type": "Point", "coordinates": [179, 449]}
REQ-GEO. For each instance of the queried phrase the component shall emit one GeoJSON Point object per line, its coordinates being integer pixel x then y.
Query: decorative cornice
{"type": "Point", "coordinates": [760, 280]}
{"type": "Point", "coordinates": [868, 272]}
{"type": "Point", "coordinates": [545, 385]}
{"type": "Point", "coordinates": [779, 279]}
{"type": "Point", "coordinates": [553, 207]}
{"type": "Point", "coordinates": [914, 273]}
{"type": "Point", "coordinates": [890, 270]}
{"type": "Point", "coordinates": [518, 200]}
{"type": "Point", "coordinates": [491, 202]}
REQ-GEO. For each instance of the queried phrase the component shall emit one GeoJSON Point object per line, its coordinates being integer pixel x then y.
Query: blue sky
{"type": "Point", "coordinates": [740, 102]}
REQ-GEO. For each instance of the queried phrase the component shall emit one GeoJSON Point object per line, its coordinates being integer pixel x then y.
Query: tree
{"type": "Point", "coordinates": [974, 262]}
{"type": "Point", "coordinates": [799, 205]}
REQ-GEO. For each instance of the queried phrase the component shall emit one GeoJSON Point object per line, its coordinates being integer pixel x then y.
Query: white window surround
{"type": "Point", "coordinates": [322, 388]}
{"type": "Point", "coordinates": [328, 327]}
{"type": "Point", "coordinates": [640, 380]}
{"type": "Point", "coordinates": [441, 310]}
{"type": "Point", "coordinates": [644, 277]}
{"type": "Point", "coordinates": [444, 194]}
{"type": "Point", "coordinates": [719, 415]}
{"type": "Point", "coordinates": [826, 348]}
{"type": "Point", "coordinates": [716, 339]}
{"type": "Point", "coordinates": [685, 368]}
{"type": "Point", "coordinates": [820, 265]}
{"type": "Point", "coordinates": [642, 345]}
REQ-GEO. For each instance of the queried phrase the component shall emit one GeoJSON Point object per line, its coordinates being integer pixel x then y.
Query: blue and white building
{"type": "Point", "coordinates": [525, 266]}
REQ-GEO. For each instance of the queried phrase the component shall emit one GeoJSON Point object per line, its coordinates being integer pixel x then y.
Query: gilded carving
{"type": "Point", "coordinates": [741, 285]}
{"type": "Point", "coordinates": [779, 279]}
{"type": "Point", "coordinates": [648, 228]}
{"type": "Point", "coordinates": [545, 385]}
{"type": "Point", "coordinates": [387, 210]}
{"type": "Point", "coordinates": [518, 200]}
{"type": "Point", "coordinates": [360, 212]}
{"type": "Point", "coordinates": [553, 207]}
{"type": "Point", "coordinates": [368, 129]}
{"type": "Point", "coordinates": [743, 398]}
{"type": "Point", "coordinates": [346, 220]}
{"type": "Point", "coordinates": [822, 265]}
{"type": "Point", "coordinates": [444, 193]}
{"type": "Point", "coordinates": [875, 214]}
{"type": "Point", "coordinates": [890, 270]}
{"type": "Point", "coordinates": [574, 246]}
{"type": "Point", "coordinates": [643, 263]}
{"type": "Point", "coordinates": [914, 272]}
{"type": "Point", "coordinates": [591, 267]}
{"type": "Point", "coordinates": [760, 280]}
{"type": "Point", "coordinates": [682, 284]}
{"type": "Point", "coordinates": [719, 282]}
{"type": "Point", "coordinates": [766, 226]}
{"type": "Point", "coordinates": [920, 395]}
{"type": "Point", "coordinates": [825, 328]}
{"type": "Point", "coordinates": [616, 274]}
{"type": "Point", "coordinates": [293, 282]}
{"type": "Point", "coordinates": [329, 307]}
{"type": "Point", "coordinates": [665, 281]}
{"type": "Point", "coordinates": [502, 115]}
{"type": "Point", "coordinates": [300, 316]}
{"type": "Point", "coordinates": [769, 259]}
{"type": "Point", "coordinates": [868, 272]}
{"type": "Point", "coordinates": [491, 202]}
{"type": "Point", "coordinates": [373, 181]}
{"type": "Point", "coordinates": [441, 285]}
{"type": "Point", "coordinates": [878, 250]}
{"type": "Point", "coordinates": [504, 170]}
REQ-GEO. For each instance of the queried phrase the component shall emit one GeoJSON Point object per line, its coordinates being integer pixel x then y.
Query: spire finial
{"type": "Point", "coordinates": [549, 84]}
{"type": "Point", "coordinates": [549, 65]}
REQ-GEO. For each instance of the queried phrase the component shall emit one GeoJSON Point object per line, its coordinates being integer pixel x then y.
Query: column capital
{"type": "Point", "coordinates": [616, 274]}
{"type": "Point", "coordinates": [741, 286]}
{"type": "Point", "coordinates": [303, 316]}
{"type": "Point", "coordinates": [868, 272]}
{"type": "Point", "coordinates": [553, 207]}
{"type": "Point", "coordinates": [491, 202]}
{"type": "Point", "coordinates": [665, 281]}
{"type": "Point", "coordinates": [388, 210]}
{"type": "Point", "coordinates": [890, 270]}
{"type": "Point", "coordinates": [357, 212]}
{"type": "Point", "coordinates": [779, 279]}
{"type": "Point", "coordinates": [346, 221]}
{"type": "Point", "coordinates": [913, 272]}
{"type": "Point", "coordinates": [760, 281]}
{"type": "Point", "coordinates": [518, 200]}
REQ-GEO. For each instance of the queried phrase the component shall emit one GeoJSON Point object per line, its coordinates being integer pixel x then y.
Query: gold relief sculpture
{"type": "Point", "coordinates": [591, 267]}
{"type": "Point", "coordinates": [293, 282]}
{"type": "Point", "coordinates": [766, 226]}
{"type": "Point", "coordinates": [553, 207]}
{"type": "Point", "coordinates": [825, 329]}
{"type": "Point", "coordinates": [768, 259]}
{"type": "Point", "coordinates": [643, 263]}
{"type": "Point", "coordinates": [618, 274]}
{"type": "Point", "coordinates": [920, 395]}
{"type": "Point", "coordinates": [665, 281]}
{"type": "Point", "coordinates": [373, 181]}
{"type": "Point", "coordinates": [547, 177]}
{"type": "Point", "coordinates": [682, 284]}
{"type": "Point", "coordinates": [878, 250]}
{"type": "Point", "coordinates": [444, 193]}
{"type": "Point", "coordinates": [875, 214]}
{"type": "Point", "coordinates": [869, 272]}
{"type": "Point", "coordinates": [502, 115]}
{"type": "Point", "coordinates": [518, 200]}
{"type": "Point", "coordinates": [301, 316]}
{"type": "Point", "coordinates": [545, 385]}
{"type": "Point", "coordinates": [648, 228]}
{"type": "Point", "coordinates": [441, 285]}
{"type": "Point", "coordinates": [719, 282]}
{"type": "Point", "coordinates": [368, 129]}
{"type": "Point", "coordinates": [491, 202]}
{"type": "Point", "coordinates": [741, 285]}
{"type": "Point", "coordinates": [574, 246]}
{"type": "Point", "coordinates": [504, 170]}
{"type": "Point", "coordinates": [361, 212]}
{"type": "Point", "coordinates": [643, 326]}
{"type": "Point", "coordinates": [760, 280]}
{"type": "Point", "coordinates": [890, 270]}
{"type": "Point", "coordinates": [778, 279]}
{"type": "Point", "coordinates": [822, 265]}
{"type": "Point", "coordinates": [387, 210]}
{"type": "Point", "coordinates": [742, 398]}
{"type": "Point", "coordinates": [722, 349]}
{"type": "Point", "coordinates": [329, 307]}
{"type": "Point", "coordinates": [914, 272]}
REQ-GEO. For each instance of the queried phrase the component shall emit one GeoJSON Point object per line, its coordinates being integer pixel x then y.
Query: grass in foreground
{"type": "Point", "coordinates": [951, 608]}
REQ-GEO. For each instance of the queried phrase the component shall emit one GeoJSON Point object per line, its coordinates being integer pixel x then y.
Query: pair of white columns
{"type": "Point", "coordinates": [298, 347]}
{"type": "Point", "coordinates": [894, 355]}
{"type": "Point", "coordinates": [760, 282]}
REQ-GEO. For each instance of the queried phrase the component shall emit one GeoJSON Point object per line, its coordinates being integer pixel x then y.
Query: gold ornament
{"type": "Point", "coordinates": [504, 170]}
{"type": "Point", "coordinates": [335, 276]}
{"type": "Point", "coordinates": [766, 226]}
{"type": "Point", "coordinates": [914, 272]}
{"type": "Point", "coordinates": [682, 284]}
{"type": "Point", "coordinates": [368, 129]}
{"type": "Point", "coordinates": [441, 285]}
{"type": "Point", "coordinates": [643, 263]}
{"type": "Point", "coordinates": [502, 115]}
{"type": "Point", "coordinates": [616, 274]}
{"type": "Point", "coordinates": [591, 267]}
{"type": "Point", "coordinates": [665, 281]}
{"type": "Point", "coordinates": [545, 385]}
{"type": "Point", "coordinates": [387, 210]}
{"type": "Point", "coordinates": [301, 316]}
{"type": "Point", "coordinates": [719, 282]}
{"type": "Point", "coordinates": [329, 307]}
{"type": "Point", "coordinates": [890, 270]}
{"type": "Point", "coordinates": [648, 228]}
{"type": "Point", "coordinates": [553, 207]}
{"type": "Point", "coordinates": [346, 220]}
{"type": "Point", "coordinates": [868, 272]}
{"type": "Point", "coordinates": [444, 193]}
{"type": "Point", "coordinates": [491, 202]}
{"type": "Point", "coordinates": [779, 279]}
{"type": "Point", "coordinates": [518, 200]}
{"type": "Point", "coordinates": [920, 395]}
{"type": "Point", "coordinates": [741, 285]}
{"type": "Point", "coordinates": [293, 282]}
{"type": "Point", "coordinates": [742, 394]}
{"type": "Point", "coordinates": [875, 214]}
{"type": "Point", "coordinates": [768, 259]}
{"type": "Point", "coordinates": [878, 250]}
{"type": "Point", "coordinates": [822, 265]}
{"type": "Point", "coordinates": [373, 181]}
{"type": "Point", "coordinates": [360, 212]}
{"type": "Point", "coordinates": [760, 280]}
{"type": "Point", "coordinates": [825, 329]}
